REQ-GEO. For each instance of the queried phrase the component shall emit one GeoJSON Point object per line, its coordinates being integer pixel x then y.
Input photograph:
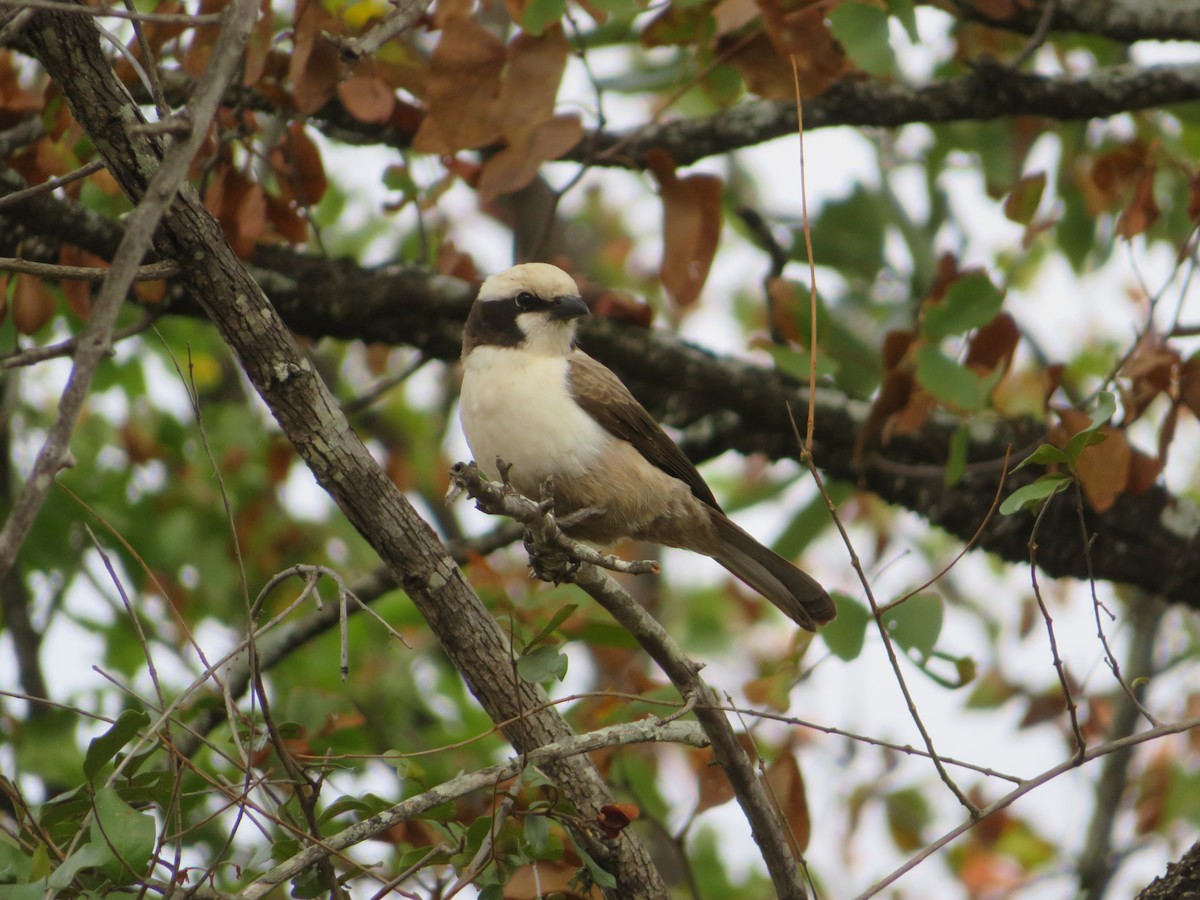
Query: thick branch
{"type": "Point", "coordinates": [728, 404]}
{"type": "Point", "coordinates": [1120, 20]}
{"type": "Point", "coordinates": [991, 91]}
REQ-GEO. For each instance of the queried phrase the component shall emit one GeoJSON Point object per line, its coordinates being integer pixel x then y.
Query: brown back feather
{"type": "Point", "coordinates": [603, 397]}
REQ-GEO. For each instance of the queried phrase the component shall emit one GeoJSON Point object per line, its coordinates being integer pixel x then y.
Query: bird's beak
{"type": "Point", "coordinates": [565, 308]}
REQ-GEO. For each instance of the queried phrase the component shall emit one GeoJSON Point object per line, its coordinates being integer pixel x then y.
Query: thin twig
{"type": "Point", "coordinates": [1072, 710]}
{"type": "Point", "coordinates": [53, 184]}
{"type": "Point", "coordinates": [877, 614]}
{"type": "Point", "coordinates": [1097, 751]}
{"type": "Point", "coordinates": [150, 272]}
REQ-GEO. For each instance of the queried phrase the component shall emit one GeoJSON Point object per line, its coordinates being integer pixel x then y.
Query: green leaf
{"type": "Point", "coordinates": [951, 383]}
{"type": "Point", "coordinates": [916, 623]}
{"type": "Point", "coordinates": [904, 11]}
{"type": "Point", "coordinates": [970, 302]}
{"type": "Point", "coordinates": [848, 234]}
{"type": "Point", "coordinates": [129, 833]}
{"type": "Point", "coordinates": [104, 748]}
{"type": "Point", "coordinates": [863, 32]}
{"type": "Point", "coordinates": [89, 856]}
{"type": "Point", "coordinates": [563, 613]}
{"type": "Point", "coordinates": [541, 14]}
{"type": "Point", "coordinates": [844, 636]}
{"type": "Point", "coordinates": [599, 876]}
{"type": "Point", "coordinates": [542, 665]}
{"type": "Point", "coordinates": [1044, 455]}
{"type": "Point", "coordinates": [1022, 202]}
{"type": "Point", "coordinates": [1032, 494]}
{"type": "Point", "coordinates": [956, 463]}
{"type": "Point", "coordinates": [1106, 408]}
{"type": "Point", "coordinates": [537, 832]}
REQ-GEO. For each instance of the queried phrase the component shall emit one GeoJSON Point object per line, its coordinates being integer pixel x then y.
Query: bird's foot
{"type": "Point", "coordinates": [549, 563]}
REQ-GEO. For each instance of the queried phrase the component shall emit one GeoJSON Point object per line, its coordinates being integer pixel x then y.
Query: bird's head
{"type": "Point", "coordinates": [532, 307]}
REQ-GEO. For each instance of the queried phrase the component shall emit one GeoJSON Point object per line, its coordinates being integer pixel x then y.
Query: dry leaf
{"type": "Point", "coordinates": [787, 787]}
{"type": "Point", "coordinates": [517, 164]}
{"type": "Point", "coordinates": [368, 98]}
{"type": "Point", "coordinates": [461, 89]}
{"type": "Point", "coordinates": [993, 345]}
{"type": "Point", "coordinates": [32, 305]}
{"type": "Point", "coordinates": [691, 227]}
{"type": "Point", "coordinates": [315, 66]}
{"type": "Point", "coordinates": [803, 35]}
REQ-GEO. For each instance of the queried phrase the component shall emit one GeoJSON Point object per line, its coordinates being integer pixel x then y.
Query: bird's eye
{"type": "Point", "coordinates": [525, 300]}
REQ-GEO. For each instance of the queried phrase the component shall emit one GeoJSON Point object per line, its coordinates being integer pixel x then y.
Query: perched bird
{"type": "Point", "coordinates": [561, 419]}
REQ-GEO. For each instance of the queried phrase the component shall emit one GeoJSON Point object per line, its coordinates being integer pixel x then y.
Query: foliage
{"type": "Point", "coordinates": [1014, 272]}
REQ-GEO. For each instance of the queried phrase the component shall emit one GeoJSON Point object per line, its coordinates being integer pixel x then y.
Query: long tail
{"type": "Point", "coordinates": [795, 592]}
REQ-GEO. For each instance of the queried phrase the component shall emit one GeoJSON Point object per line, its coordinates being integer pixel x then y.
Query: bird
{"type": "Point", "coordinates": [564, 423]}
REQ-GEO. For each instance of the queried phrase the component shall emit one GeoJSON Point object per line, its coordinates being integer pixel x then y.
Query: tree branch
{"type": "Point", "coordinates": [1119, 20]}
{"type": "Point", "coordinates": [559, 552]}
{"type": "Point", "coordinates": [990, 91]}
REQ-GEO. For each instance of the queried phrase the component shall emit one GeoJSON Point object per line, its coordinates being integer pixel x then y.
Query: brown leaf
{"type": "Point", "coordinates": [78, 294]}
{"type": "Point", "coordinates": [368, 98]}
{"type": "Point", "coordinates": [517, 164]}
{"type": "Point", "coordinates": [691, 227]}
{"type": "Point", "coordinates": [804, 35]}
{"type": "Point", "coordinates": [764, 72]}
{"type": "Point", "coordinates": [1143, 472]}
{"type": "Point", "coordinates": [734, 15]}
{"type": "Point", "coordinates": [33, 305]}
{"type": "Point", "coordinates": [992, 346]}
{"type": "Point", "coordinates": [203, 39]}
{"type": "Point", "coordinates": [300, 166]}
{"type": "Point", "coordinates": [461, 89]}
{"type": "Point", "coordinates": [1189, 384]}
{"type": "Point", "coordinates": [1104, 469]}
{"type": "Point", "coordinates": [315, 67]}
{"type": "Point", "coordinates": [614, 818]}
{"type": "Point", "coordinates": [287, 219]}
{"type": "Point", "coordinates": [787, 787]}
{"type": "Point", "coordinates": [1142, 211]}
{"type": "Point", "coordinates": [240, 206]}
{"type": "Point", "coordinates": [535, 69]}
{"type": "Point", "coordinates": [620, 306]}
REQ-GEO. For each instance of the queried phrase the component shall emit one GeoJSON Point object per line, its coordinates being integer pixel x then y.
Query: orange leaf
{"type": "Point", "coordinates": [33, 305]}
{"type": "Point", "coordinates": [787, 786]}
{"type": "Point", "coordinates": [1104, 469]}
{"type": "Point", "coordinates": [691, 227]}
{"type": "Point", "coordinates": [204, 39]}
{"type": "Point", "coordinates": [368, 98]}
{"type": "Point", "coordinates": [615, 818]}
{"type": "Point", "coordinates": [461, 88]}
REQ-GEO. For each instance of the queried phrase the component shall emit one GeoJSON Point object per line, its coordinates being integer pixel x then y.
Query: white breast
{"type": "Point", "coordinates": [515, 405]}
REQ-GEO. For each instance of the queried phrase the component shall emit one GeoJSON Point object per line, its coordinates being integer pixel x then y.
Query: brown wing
{"type": "Point", "coordinates": [603, 397]}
